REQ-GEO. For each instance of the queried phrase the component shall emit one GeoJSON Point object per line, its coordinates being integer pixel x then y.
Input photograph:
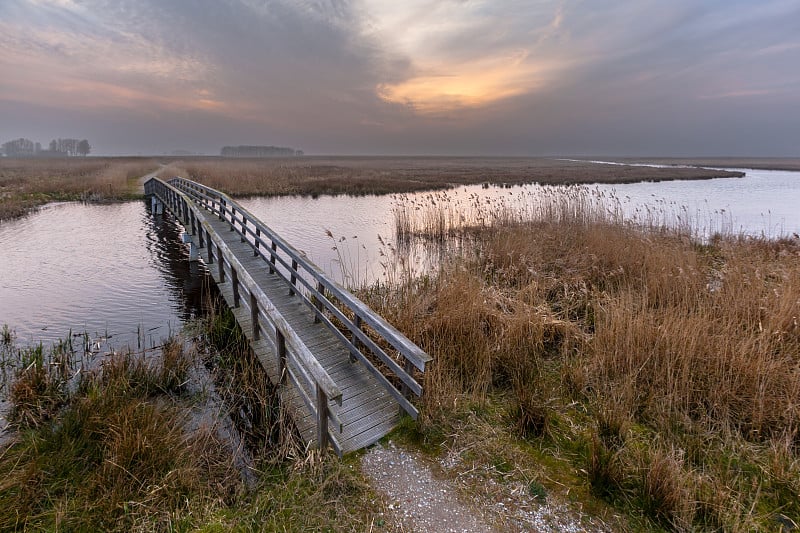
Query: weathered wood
{"type": "Point", "coordinates": [301, 338]}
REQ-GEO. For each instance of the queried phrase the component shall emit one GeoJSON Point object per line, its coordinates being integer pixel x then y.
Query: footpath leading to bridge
{"type": "Point", "coordinates": [346, 375]}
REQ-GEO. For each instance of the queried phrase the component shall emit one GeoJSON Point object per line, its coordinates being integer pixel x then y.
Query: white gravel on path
{"type": "Point", "coordinates": [421, 501]}
{"type": "Point", "coordinates": [417, 501]}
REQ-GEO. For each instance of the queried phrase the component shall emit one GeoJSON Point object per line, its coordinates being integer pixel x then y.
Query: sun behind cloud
{"type": "Point", "coordinates": [463, 55]}
{"type": "Point", "coordinates": [442, 89]}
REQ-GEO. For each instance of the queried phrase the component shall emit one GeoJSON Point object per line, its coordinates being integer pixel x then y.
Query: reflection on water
{"type": "Point", "coordinates": [115, 271]}
{"type": "Point", "coordinates": [112, 271]}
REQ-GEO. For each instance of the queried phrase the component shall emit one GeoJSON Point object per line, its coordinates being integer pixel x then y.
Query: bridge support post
{"type": "Point", "coordinates": [193, 253]}
{"type": "Point", "coordinates": [322, 418]}
{"type": "Point", "coordinates": [156, 207]}
{"type": "Point", "coordinates": [280, 344]}
{"type": "Point", "coordinates": [254, 317]}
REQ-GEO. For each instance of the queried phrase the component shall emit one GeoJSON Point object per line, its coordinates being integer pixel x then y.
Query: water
{"type": "Point", "coordinates": [122, 276]}
{"type": "Point", "coordinates": [111, 271]}
{"type": "Point", "coordinates": [765, 203]}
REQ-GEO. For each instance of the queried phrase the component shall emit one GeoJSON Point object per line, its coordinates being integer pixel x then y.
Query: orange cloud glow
{"type": "Point", "coordinates": [470, 85]}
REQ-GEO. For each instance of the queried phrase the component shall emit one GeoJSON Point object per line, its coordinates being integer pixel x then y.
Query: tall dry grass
{"type": "Point", "coordinates": [657, 336]}
{"type": "Point", "coordinates": [27, 183]}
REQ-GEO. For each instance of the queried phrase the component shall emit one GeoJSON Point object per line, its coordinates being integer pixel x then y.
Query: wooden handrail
{"type": "Point", "coordinates": [331, 303]}
{"type": "Point", "coordinates": [294, 344]}
{"type": "Point", "coordinates": [395, 338]}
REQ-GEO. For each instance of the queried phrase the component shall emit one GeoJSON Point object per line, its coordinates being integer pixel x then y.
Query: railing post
{"type": "Point", "coordinates": [221, 263]}
{"type": "Point", "coordinates": [356, 341]}
{"type": "Point", "coordinates": [194, 222]}
{"type": "Point", "coordinates": [244, 228]}
{"type": "Point", "coordinates": [272, 257]}
{"type": "Point", "coordinates": [318, 303]}
{"type": "Point", "coordinates": [235, 283]}
{"type": "Point", "coordinates": [233, 217]}
{"type": "Point", "coordinates": [210, 248]}
{"type": "Point", "coordinates": [280, 342]}
{"type": "Point", "coordinates": [202, 238]}
{"type": "Point", "coordinates": [254, 316]}
{"type": "Point", "coordinates": [409, 368]}
{"type": "Point", "coordinates": [293, 277]}
{"type": "Point", "coordinates": [322, 418]}
{"type": "Point", "coordinates": [222, 209]}
{"type": "Point", "coordinates": [256, 241]}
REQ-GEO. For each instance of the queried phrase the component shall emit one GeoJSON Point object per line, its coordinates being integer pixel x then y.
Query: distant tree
{"type": "Point", "coordinates": [19, 148]}
{"type": "Point", "coordinates": [257, 151]}
{"type": "Point", "coordinates": [84, 148]}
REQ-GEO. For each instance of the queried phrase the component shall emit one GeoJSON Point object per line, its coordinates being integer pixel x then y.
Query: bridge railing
{"type": "Point", "coordinates": [368, 337]}
{"type": "Point", "coordinates": [295, 361]}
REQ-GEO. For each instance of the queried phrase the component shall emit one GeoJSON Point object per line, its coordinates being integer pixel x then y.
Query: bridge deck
{"type": "Point", "coordinates": [368, 411]}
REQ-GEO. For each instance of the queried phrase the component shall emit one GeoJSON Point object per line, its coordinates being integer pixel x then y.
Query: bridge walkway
{"type": "Point", "coordinates": [344, 374]}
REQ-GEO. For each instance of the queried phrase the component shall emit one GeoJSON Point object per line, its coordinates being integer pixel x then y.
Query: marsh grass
{"type": "Point", "coordinates": [113, 454]}
{"type": "Point", "coordinates": [612, 337]}
{"type": "Point", "coordinates": [28, 183]}
{"type": "Point", "coordinates": [388, 175]}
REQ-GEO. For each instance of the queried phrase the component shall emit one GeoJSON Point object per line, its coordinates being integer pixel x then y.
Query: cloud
{"type": "Point", "coordinates": [466, 76]}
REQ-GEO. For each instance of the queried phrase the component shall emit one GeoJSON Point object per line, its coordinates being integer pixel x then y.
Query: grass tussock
{"type": "Point", "coordinates": [115, 455]}
{"type": "Point", "coordinates": [28, 183]}
{"type": "Point", "coordinates": [600, 339]}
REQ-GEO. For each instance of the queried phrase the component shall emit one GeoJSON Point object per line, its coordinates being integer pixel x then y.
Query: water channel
{"type": "Point", "coordinates": [120, 275]}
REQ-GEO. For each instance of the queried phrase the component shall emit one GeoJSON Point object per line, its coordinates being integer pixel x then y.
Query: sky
{"type": "Point", "coordinates": [410, 77]}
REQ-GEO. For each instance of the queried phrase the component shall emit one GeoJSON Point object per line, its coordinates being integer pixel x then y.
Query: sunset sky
{"type": "Point", "coordinates": [539, 77]}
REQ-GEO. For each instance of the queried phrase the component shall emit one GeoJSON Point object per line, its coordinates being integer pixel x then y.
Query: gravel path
{"type": "Point", "coordinates": [417, 501]}
{"type": "Point", "coordinates": [422, 501]}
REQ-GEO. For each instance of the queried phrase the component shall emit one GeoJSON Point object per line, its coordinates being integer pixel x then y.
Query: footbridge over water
{"type": "Point", "coordinates": [344, 373]}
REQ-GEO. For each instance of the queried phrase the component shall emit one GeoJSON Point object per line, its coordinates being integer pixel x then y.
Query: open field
{"type": "Point", "coordinates": [599, 361]}
{"type": "Point", "coordinates": [382, 175]}
{"type": "Point", "coordinates": [28, 183]}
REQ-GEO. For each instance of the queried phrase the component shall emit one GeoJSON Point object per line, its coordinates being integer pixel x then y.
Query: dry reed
{"type": "Point", "coordinates": [27, 183]}
{"type": "Point", "coordinates": [656, 334]}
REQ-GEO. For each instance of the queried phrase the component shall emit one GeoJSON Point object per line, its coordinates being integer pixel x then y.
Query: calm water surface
{"type": "Point", "coordinates": [111, 271]}
{"type": "Point", "coordinates": [115, 271]}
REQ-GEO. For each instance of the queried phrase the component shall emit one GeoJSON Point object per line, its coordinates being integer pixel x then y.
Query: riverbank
{"type": "Point", "coordinates": [387, 175]}
{"type": "Point", "coordinates": [28, 183]}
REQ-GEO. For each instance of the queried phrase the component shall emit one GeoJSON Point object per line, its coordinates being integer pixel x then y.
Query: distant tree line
{"type": "Point", "coordinates": [259, 151]}
{"type": "Point", "coordinates": [58, 148]}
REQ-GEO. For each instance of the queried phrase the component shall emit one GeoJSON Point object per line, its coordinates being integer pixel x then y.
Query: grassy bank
{"type": "Point", "coordinates": [384, 175]}
{"type": "Point", "coordinates": [613, 365]}
{"type": "Point", "coordinates": [28, 183]}
{"type": "Point", "coordinates": [136, 444]}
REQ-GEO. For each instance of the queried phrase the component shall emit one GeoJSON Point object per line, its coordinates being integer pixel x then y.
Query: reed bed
{"type": "Point", "coordinates": [387, 175]}
{"type": "Point", "coordinates": [28, 183]}
{"type": "Point", "coordinates": [663, 367]}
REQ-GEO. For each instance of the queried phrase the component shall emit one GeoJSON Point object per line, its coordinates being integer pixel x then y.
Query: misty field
{"type": "Point", "coordinates": [385, 175]}
{"type": "Point", "coordinates": [28, 183]}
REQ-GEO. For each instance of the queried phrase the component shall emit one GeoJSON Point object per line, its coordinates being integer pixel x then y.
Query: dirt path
{"type": "Point", "coordinates": [421, 498]}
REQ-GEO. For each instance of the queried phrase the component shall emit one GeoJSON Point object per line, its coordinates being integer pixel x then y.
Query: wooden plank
{"type": "Point", "coordinates": [368, 410]}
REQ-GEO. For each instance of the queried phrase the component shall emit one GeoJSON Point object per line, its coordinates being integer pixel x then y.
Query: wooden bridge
{"type": "Point", "coordinates": [345, 374]}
